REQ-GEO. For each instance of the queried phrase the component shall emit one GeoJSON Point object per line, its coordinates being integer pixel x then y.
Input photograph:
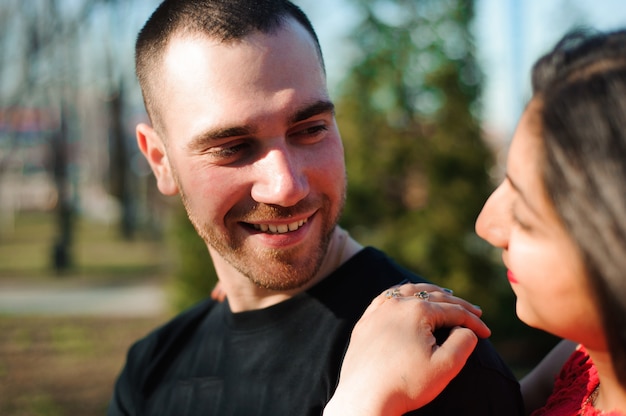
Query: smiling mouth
{"type": "Point", "coordinates": [279, 229]}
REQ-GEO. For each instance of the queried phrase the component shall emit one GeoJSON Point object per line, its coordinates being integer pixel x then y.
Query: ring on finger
{"type": "Point", "coordinates": [424, 295]}
{"type": "Point", "coordinates": [395, 293]}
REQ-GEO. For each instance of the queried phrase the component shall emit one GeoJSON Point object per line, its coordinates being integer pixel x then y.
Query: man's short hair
{"type": "Point", "coordinates": [223, 20]}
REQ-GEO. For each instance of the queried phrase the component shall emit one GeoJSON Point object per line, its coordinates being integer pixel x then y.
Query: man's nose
{"type": "Point", "coordinates": [280, 178]}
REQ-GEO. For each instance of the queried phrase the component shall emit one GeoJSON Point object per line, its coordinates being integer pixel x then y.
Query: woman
{"type": "Point", "coordinates": [559, 217]}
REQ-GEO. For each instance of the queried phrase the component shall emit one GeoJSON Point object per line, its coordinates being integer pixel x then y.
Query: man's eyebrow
{"type": "Point", "coordinates": [318, 107]}
{"type": "Point", "coordinates": [203, 140]}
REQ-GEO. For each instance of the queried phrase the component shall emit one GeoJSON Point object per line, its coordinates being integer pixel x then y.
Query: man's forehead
{"type": "Point", "coordinates": [290, 33]}
{"type": "Point", "coordinates": [207, 58]}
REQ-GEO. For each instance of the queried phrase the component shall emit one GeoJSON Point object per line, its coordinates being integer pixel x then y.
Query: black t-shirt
{"type": "Point", "coordinates": [285, 359]}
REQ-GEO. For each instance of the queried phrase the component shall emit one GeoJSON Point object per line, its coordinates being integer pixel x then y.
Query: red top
{"type": "Point", "coordinates": [573, 387]}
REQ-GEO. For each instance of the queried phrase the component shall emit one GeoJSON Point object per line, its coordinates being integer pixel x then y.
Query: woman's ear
{"type": "Point", "coordinates": [153, 148]}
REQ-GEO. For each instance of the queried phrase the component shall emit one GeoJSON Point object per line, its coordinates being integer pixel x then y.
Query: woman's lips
{"type": "Point", "coordinates": [511, 277]}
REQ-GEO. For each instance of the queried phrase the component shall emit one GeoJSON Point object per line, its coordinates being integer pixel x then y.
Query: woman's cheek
{"type": "Point", "coordinates": [525, 262]}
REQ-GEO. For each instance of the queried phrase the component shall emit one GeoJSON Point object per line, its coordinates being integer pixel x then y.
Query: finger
{"type": "Point", "coordinates": [450, 311]}
{"type": "Point", "coordinates": [439, 314]}
{"type": "Point", "coordinates": [447, 360]}
{"type": "Point", "coordinates": [408, 289]}
{"type": "Point", "coordinates": [436, 294]}
{"type": "Point", "coordinates": [455, 350]}
{"type": "Point", "coordinates": [217, 293]}
{"type": "Point", "coordinates": [393, 293]}
{"type": "Point", "coordinates": [451, 315]}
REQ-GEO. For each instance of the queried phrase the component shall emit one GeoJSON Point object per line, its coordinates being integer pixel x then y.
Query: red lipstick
{"type": "Point", "coordinates": [511, 277]}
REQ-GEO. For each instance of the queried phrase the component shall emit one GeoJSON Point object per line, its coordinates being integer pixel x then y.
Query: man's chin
{"type": "Point", "coordinates": [283, 279]}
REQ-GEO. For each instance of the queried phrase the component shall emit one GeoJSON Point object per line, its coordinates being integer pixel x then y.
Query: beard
{"type": "Point", "coordinates": [272, 269]}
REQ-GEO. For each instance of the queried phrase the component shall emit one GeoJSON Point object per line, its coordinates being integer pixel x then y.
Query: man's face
{"type": "Point", "coordinates": [251, 144]}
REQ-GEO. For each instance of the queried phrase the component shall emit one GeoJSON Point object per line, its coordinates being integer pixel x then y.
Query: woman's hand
{"type": "Point", "coordinates": [218, 293]}
{"type": "Point", "coordinates": [393, 363]}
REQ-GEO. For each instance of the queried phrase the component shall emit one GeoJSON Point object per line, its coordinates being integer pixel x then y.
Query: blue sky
{"type": "Point", "coordinates": [510, 36]}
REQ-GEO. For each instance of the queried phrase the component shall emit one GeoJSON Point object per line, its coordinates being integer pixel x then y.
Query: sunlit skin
{"type": "Point", "coordinates": [545, 267]}
{"type": "Point", "coordinates": [248, 139]}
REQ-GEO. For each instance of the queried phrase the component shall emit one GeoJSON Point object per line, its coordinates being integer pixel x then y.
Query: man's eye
{"type": "Point", "coordinates": [310, 132]}
{"type": "Point", "coordinates": [226, 152]}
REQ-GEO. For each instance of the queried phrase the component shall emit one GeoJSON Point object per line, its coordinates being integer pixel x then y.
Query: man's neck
{"type": "Point", "coordinates": [243, 295]}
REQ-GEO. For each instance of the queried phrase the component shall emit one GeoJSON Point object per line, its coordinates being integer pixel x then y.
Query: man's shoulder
{"type": "Point", "coordinates": [373, 262]}
{"type": "Point", "coordinates": [485, 386]}
{"type": "Point", "coordinates": [366, 275]}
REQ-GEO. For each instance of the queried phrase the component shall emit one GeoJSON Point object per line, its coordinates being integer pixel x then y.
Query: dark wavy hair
{"type": "Point", "coordinates": [582, 86]}
{"type": "Point", "coordinates": [223, 20]}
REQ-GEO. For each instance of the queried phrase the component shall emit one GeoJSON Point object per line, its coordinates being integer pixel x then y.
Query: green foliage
{"type": "Point", "coordinates": [417, 164]}
{"type": "Point", "coordinates": [195, 275]}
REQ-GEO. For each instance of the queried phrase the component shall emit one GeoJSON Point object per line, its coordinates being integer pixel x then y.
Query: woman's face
{"type": "Point", "coordinates": [544, 266]}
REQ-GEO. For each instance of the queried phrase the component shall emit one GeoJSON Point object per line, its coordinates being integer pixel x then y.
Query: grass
{"type": "Point", "coordinates": [96, 250]}
{"type": "Point", "coordinates": [67, 365]}
{"type": "Point", "coordinates": [63, 366]}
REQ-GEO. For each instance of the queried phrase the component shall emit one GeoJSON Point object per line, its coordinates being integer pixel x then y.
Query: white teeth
{"type": "Point", "coordinates": [279, 229]}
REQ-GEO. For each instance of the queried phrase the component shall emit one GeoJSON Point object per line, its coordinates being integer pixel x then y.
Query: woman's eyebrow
{"type": "Point", "coordinates": [521, 193]}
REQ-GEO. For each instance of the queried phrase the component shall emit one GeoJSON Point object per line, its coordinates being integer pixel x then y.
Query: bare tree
{"type": "Point", "coordinates": [64, 57]}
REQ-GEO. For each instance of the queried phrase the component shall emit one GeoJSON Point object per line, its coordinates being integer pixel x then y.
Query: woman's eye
{"type": "Point", "coordinates": [520, 223]}
{"type": "Point", "coordinates": [517, 220]}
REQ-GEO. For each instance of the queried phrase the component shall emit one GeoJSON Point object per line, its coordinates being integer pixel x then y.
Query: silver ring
{"type": "Point", "coordinates": [424, 295]}
{"type": "Point", "coordinates": [395, 293]}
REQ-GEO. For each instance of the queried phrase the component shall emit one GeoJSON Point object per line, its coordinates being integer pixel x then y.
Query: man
{"type": "Point", "coordinates": [243, 129]}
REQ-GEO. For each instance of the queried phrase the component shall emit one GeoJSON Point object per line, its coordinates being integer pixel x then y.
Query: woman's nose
{"type": "Point", "coordinates": [494, 221]}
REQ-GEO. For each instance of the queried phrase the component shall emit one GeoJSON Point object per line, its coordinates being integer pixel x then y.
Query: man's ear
{"type": "Point", "coordinates": [153, 148]}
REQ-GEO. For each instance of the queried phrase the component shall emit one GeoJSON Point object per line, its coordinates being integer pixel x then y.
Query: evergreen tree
{"type": "Point", "coordinates": [194, 274]}
{"type": "Point", "coordinates": [417, 164]}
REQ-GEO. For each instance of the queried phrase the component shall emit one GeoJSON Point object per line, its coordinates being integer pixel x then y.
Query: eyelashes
{"type": "Point", "coordinates": [242, 149]}
{"type": "Point", "coordinates": [517, 220]}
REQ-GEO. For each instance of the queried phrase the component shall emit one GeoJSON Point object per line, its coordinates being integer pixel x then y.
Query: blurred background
{"type": "Point", "coordinates": [92, 257]}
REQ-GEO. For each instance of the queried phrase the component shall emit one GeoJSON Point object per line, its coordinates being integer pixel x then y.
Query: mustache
{"type": "Point", "coordinates": [255, 212]}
